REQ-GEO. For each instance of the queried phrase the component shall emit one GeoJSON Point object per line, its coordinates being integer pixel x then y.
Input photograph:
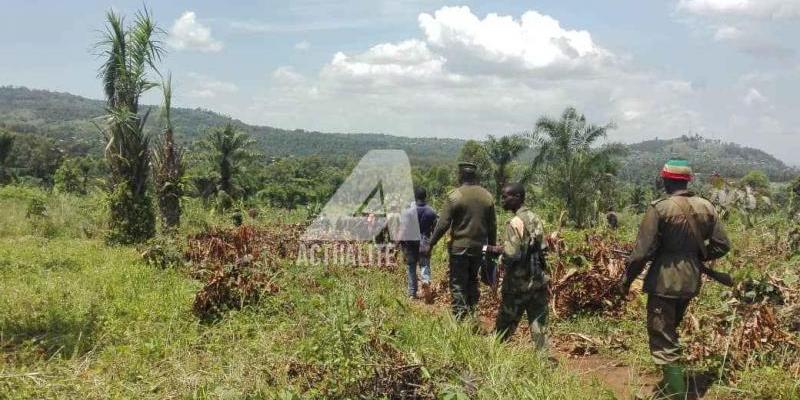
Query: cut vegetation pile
{"type": "Point", "coordinates": [756, 326]}
{"type": "Point", "coordinates": [238, 265]}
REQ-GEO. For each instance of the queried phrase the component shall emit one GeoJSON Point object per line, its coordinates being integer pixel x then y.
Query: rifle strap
{"type": "Point", "coordinates": [683, 203]}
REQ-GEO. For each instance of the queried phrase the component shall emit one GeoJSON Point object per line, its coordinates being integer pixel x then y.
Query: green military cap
{"type": "Point", "coordinates": [466, 166]}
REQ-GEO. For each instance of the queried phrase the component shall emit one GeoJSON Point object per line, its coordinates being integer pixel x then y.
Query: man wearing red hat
{"type": "Point", "coordinates": [678, 234]}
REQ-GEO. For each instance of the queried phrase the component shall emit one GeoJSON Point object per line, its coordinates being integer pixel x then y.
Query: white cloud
{"type": "Point", "coordinates": [499, 42]}
{"type": "Point", "coordinates": [287, 75]}
{"type": "Point", "coordinates": [204, 87]}
{"type": "Point", "coordinates": [470, 76]}
{"type": "Point", "coordinates": [189, 34]}
{"type": "Point", "coordinates": [727, 33]}
{"type": "Point", "coordinates": [775, 9]}
{"type": "Point", "coordinates": [467, 76]}
{"type": "Point", "coordinates": [302, 45]}
{"type": "Point", "coordinates": [754, 97]}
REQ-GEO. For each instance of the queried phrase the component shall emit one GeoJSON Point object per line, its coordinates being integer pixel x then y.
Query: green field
{"type": "Point", "coordinates": [81, 319]}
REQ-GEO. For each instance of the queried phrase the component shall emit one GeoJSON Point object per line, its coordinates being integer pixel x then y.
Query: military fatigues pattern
{"type": "Point", "coordinates": [468, 213]}
{"type": "Point", "coordinates": [674, 278]}
{"type": "Point", "coordinates": [523, 290]}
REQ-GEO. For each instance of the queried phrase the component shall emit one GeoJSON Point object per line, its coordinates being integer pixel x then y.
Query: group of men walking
{"type": "Point", "coordinates": [678, 234]}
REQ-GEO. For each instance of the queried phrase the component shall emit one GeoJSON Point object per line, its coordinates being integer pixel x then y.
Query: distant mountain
{"type": "Point", "coordinates": [67, 119]}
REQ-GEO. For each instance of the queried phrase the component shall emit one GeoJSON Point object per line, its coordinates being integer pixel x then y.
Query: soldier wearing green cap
{"type": "Point", "coordinates": [677, 235]}
{"type": "Point", "coordinates": [468, 214]}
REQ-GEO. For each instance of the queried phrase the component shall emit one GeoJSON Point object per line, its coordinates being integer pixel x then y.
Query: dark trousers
{"type": "Point", "coordinates": [464, 267]}
{"type": "Point", "coordinates": [664, 316]}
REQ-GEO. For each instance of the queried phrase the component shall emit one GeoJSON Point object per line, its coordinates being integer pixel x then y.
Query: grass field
{"type": "Point", "coordinates": [79, 319]}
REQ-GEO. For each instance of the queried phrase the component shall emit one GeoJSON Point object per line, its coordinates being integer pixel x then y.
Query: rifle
{"type": "Point", "coordinates": [718, 276]}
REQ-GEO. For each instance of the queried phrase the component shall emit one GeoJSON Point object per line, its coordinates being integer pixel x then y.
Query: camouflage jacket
{"type": "Point", "coordinates": [665, 238]}
{"type": "Point", "coordinates": [468, 213]}
{"type": "Point", "coordinates": [523, 232]}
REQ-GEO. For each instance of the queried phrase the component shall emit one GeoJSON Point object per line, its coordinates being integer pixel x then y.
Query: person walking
{"type": "Point", "coordinates": [524, 287]}
{"type": "Point", "coordinates": [469, 215]}
{"type": "Point", "coordinates": [417, 251]}
{"type": "Point", "coordinates": [678, 234]}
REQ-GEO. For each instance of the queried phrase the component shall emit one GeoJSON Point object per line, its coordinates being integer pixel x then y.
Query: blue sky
{"type": "Point", "coordinates": [726, 69]}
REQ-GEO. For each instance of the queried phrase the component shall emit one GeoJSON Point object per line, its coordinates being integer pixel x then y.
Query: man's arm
{"type": "Point", "coordinates": [718, 244]}
{"type": "Point", "coordinates": [645, 248]}
{"type": "Point", "coordinates": [443, 224]}
{"type": "Point", "coordinates": [512, 242]}
{"type": "Point", "coordinates": [491, 222]}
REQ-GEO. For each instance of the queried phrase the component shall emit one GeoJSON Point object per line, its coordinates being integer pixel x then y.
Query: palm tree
{"type": "Point", "coordinates": [227, 149]}
{"type": "Point", "coordinates": [502, 152]}
{"type": "Point", "coordinates": [168, 167]}
{"type": "Point", "coordinates": [130, 54]}
{"type": "Point", "coordinates": [6, 143]}
{"type": "Point", "coordinates": [569, 162]}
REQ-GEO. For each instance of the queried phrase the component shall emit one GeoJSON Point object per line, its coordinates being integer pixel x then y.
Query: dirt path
{"type": "Point", "coordinates": [625, 381]}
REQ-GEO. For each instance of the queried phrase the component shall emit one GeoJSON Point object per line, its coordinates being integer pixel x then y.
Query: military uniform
{"type": "Point", "coordinates": [469, 214]}
{"type": "Point", "coordinates": [666, 238]}
{"type": "Point", "coordinates": [524, 288]}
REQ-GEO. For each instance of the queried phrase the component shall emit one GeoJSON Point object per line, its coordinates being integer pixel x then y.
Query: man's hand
{"type": "Point", "coordinates": [494, 249]}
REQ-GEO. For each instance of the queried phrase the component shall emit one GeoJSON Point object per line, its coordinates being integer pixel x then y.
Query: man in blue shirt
{"type": "Point", "coordinates": [417, 252]}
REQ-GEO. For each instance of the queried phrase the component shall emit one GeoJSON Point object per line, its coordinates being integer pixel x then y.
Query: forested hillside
{"type": "Point", "coordinates": [64, 121]}
{"type": "Point", "coordinates": [707, 156]}
{"type": "Point", "coordinates": [67, 119]}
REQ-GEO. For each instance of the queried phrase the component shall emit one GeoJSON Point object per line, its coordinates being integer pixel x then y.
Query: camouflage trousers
{"type": "Point", "coordinates": [464, 265]}
{"type": "Point", "coordinates": [514, 303]}
{"type": "Point", "coordinates": [664, 316]}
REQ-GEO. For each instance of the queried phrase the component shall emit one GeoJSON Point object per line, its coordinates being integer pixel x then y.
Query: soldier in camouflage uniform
{"type": "Point", "coordinates": [468, 214]}
{"type": "Point", "coordinates": [524, 287]}
{"type": "Point", "coordinates": [678, 234]}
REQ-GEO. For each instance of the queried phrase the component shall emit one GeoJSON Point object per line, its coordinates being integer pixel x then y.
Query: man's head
{"type": "Point", "coordinates": [676, 175]}
{"type": "Point", "coordinates": [467, 173]}
{"type": "Point", "coordinates": [513, 196]}
{"type": "Point", "coordinates": [420, 194]}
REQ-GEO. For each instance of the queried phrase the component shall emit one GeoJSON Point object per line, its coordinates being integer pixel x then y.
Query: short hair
{"type": "Point", "coordinates": [516, 189]}
{"type": "Point", "coordinates": [420, 193]}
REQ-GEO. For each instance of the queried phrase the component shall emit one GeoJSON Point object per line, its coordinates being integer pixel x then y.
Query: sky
{"type": "Point", "coordinates": [724, 69]}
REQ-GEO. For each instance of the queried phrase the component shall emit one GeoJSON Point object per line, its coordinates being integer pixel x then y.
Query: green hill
{"type": "Point", "coordinates": [67, 120]}
{"type": "Point", "coordinates": [706, 155]}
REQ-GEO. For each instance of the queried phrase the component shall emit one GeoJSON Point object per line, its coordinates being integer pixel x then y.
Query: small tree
{"type": "Point", "coordinates": [69, 178]}
{"type": "Point", "coordinates": [6, 144]}
{"type": "Point", "coordinates": [168, 167]}
{"type": "Point", "coordinates": [756, 180]}
{"type": "Point", "coordinates": [502, 152]}
{"type": "Point", "coordinates": [130, 53]}
{"type": "Point", "coordinates": [227, 150]}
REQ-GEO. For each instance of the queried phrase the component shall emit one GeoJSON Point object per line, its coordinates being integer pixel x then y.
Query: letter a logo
{"type": "Point", "coordinates": [377, 196]}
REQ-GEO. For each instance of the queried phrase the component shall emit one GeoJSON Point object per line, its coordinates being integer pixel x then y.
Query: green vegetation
{"type": "Point", "coordinates": [570, 168]}
{"type": "Point", "coordinates": [96, 305]}
{"type": "Point", "coordinates": [168, 167]}
{"type": "Point", "coordinates": [130, 52]}
{"type": "Point", "coordinates": [52, 119]}
{"type": "Point", "coordinates": [502, 152]}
